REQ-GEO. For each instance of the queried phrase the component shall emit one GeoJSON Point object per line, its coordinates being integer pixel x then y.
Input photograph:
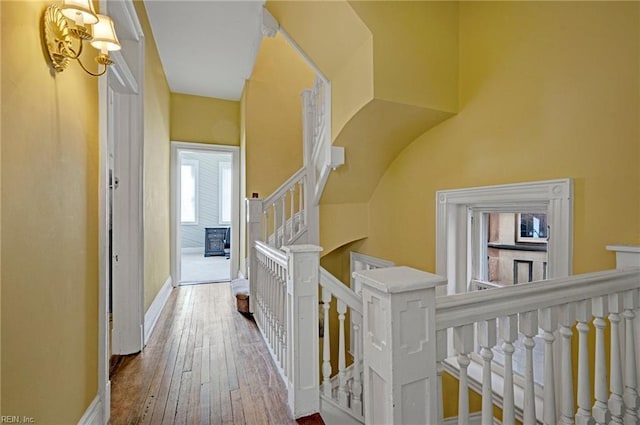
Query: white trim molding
{"type": "Point", "coordinates": [94, 415]}
{"type": "Point", "coordinates": [155, 309]}
{"type": "Point", "coordinates": [176, 148]}
{"type": "Point", "coordinates": [453, 214]}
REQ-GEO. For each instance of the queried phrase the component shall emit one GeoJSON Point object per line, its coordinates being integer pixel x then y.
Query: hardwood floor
{"type": "Point", "coordinates": [205, 363]}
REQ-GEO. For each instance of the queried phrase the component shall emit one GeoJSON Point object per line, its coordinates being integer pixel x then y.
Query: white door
{"type": "Point", "coordinates": [126, 259]}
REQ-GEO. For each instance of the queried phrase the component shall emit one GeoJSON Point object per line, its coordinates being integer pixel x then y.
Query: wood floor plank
{"type": "Point", "coordinates": [204, 364]}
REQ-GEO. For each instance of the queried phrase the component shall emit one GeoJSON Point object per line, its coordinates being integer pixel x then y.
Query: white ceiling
{"type": "Point", "coordinates": [207, 47]}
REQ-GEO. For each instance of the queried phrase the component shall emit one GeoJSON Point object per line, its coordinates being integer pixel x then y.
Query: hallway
{"type": "Point", "coordinates": [205, 363]}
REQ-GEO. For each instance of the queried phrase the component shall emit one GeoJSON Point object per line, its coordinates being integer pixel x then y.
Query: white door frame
{"type": "Point", "coordinates": [176, 147]}
{"type": "Point", "coordinates": [129, 81]}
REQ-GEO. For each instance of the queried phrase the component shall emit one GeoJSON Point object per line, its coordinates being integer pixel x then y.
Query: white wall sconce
{"type": "Point", "coordinates": [85, 25]}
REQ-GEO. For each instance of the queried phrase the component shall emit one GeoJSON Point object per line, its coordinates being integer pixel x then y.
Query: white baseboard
{"type": "Point", "coordinates": [94, 415]}
{"type": "Point", "coordinates": [153, 313]}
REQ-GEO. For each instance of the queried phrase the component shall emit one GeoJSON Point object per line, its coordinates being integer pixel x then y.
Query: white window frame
{"type": "Point", "coordinates": [225, 167]}
{"type": "Point", "coordinates": [195, 164]}
{"type": "Point", "coordinates": [455, 239]}
{"type": "Point", "coordinates": [453, 224]}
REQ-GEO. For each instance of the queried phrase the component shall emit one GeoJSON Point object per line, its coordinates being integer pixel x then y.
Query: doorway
{"type": "Point", "coordinates": [204, 213]}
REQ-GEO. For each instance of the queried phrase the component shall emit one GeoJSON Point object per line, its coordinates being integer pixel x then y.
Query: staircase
{"type": "Point", "coordinates": [405, 337]}
{"type": "Point", "coordinates": [387, 343]}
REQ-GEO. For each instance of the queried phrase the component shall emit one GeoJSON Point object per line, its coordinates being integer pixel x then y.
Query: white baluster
{"type": "Point", "coordinates": [283, 224]}
{"type": "Point", "coordinates": [270, 304]}
{"type": "Point", "coordinates": [616, 402]}
{"type": "Point", "coordinates": [265, 227]}
{"type": "Point", "coordinates": [631, 399]}
{"type": "Point", "coordinates": [486, 340]}
{"type": "Point", "coordinates": [509, 333]}
{"type": "Point", "coordinates": [292, 202]}
{"type": "Point", "coordinates": [326, 345]}
{"type": "Point", "coordinates": [441, 354]}
{"type": "Point", "coordinates": [276, 313]}
{"type": "Point", "coordinates": [342, 361]}
{"type": "Point", "coordinates": [601, 414]}
{"type": "Point", "coordinates": [283, 317]}
{"type": "Point", "coordinates": [528, 323]}
{"type": "Point", "coordinates": [301, 209]}
{"type": "Point", "coordinates": [567, 319]}
{"type": "Point", "coordinates": [549, 322]}
{"type": "Point", "coordinates": [356, 383]}
{"type": "Point", "coordinates": [583, 316]}
{"type": "Point", "coordinates": [463, 344]}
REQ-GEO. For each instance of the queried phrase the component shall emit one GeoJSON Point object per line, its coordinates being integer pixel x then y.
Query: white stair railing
{"type": "Point", "coordinates": [406, 330]}
{"type": "Point", "coordinates": [343, 386]}
{"type": "Point", "coordinates": [320, 156]}
{"type": "Point", "coordinates": [286, 312]}
{"type": "Point", "coordinates": [285, 212]}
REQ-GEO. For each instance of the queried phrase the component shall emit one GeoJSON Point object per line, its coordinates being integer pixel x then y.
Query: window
{"type": "Point", "coordinates": [457, 209]}
{"type": "Point", "coordinates": [225, 189]}
{"type": "Point", "coordinates": [189, 191]}
{"type": "Point", "coordinates": [473, 224]}
{"type": "Point", "coordinates": [532, 228]}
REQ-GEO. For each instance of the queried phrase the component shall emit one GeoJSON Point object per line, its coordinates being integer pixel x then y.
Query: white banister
{"type": "Point", "coordinates": [356, 384]}
{"type": "Point", "coordinates": [284, 187]}
{"type": "Point", "coordinates": [302, 328]}
{"type": "Point", "coordinates": [345, 388]}
{"type": "Point", "coordinates": [528, 323]}
{"type": "Point", "coordinates": [554, 306]}
{"type": "Point", "coordinates": [631, 399]}
{"type": "Point", "coordinates": [441, 355]}
{"type": "Point", "coordinates": [285, 212]}
{"type": "Point", "coordinates": [286, 300]}
{"type": "Point", "coordinates": [583, 316]}
{"type": "Point", "coordinates": [463, 344]}
{"type": "Point", "coordinates": [549, 322]}
{"type": "Point", "coordinates": [254, 226]}
{"type": "Point", "coordinates": [509, 334]}
{"type": "Point", "coordinates": [616, 402]}
{"type": "Point", "coordinates": [399, 345]}
{"type": "Point", "coordinates": [342, 355]}
{"type": "Point", "coordinates": [567, 319]}
{"type": "Point", "coordinates": [601, 412]}
{"type": "Point", "coordinates": [326, 344]}
{"type": "Point", "coordinates": [487, 340]}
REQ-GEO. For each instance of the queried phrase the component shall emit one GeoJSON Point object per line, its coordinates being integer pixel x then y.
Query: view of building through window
{"type": "Point", "coordinates": [516, 247]}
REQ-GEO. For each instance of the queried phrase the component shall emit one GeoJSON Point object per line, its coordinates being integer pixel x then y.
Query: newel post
{"type": "Point", "coordinates": [400, 376]}
{"type": "Point", "coordinates": [254, 233]}
{"type": "Point", "coordinates": [303, 381]}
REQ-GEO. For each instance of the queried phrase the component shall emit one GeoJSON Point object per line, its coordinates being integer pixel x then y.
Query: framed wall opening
{"type": "Point", "coordinates": [204, 213]}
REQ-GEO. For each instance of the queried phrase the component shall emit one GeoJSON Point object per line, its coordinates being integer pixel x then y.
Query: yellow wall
{"type": "Point", "coordinates": [344, 52]}
{"type": "Point", "coordinates": [49, 227]}
{"type": "Point", "coordinates": [205, 120]}
{"type": "Point", "coordinates": [274, 116]}
{"type": "Point", "coordinates": [1, 219]}
{"type": "Point", "coordinates": [415, 51]}
{"type": "Point", "coordinates": [552, 84]}
{"type": "Point", "coordinates": [156, 166]}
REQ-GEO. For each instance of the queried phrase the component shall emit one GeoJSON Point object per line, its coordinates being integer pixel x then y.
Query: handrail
{"type": "Point", "coordinates": [275, 254]}
{"type": "Point", "coordinates": [340, 290]}
{"type": "Point", "coordinates": [284, 187]}
{"type": "Point", "coordinates": [472, 307]}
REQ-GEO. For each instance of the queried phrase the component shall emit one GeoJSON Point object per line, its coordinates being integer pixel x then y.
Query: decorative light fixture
{"type": "Point", "coordinates": [86, 26]}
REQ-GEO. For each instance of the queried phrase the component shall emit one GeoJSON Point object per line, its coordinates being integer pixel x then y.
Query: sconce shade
{"type": "Point", "coordinates": [79, 9]}
{"type": "Point", "coordinates": [104, 35]}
